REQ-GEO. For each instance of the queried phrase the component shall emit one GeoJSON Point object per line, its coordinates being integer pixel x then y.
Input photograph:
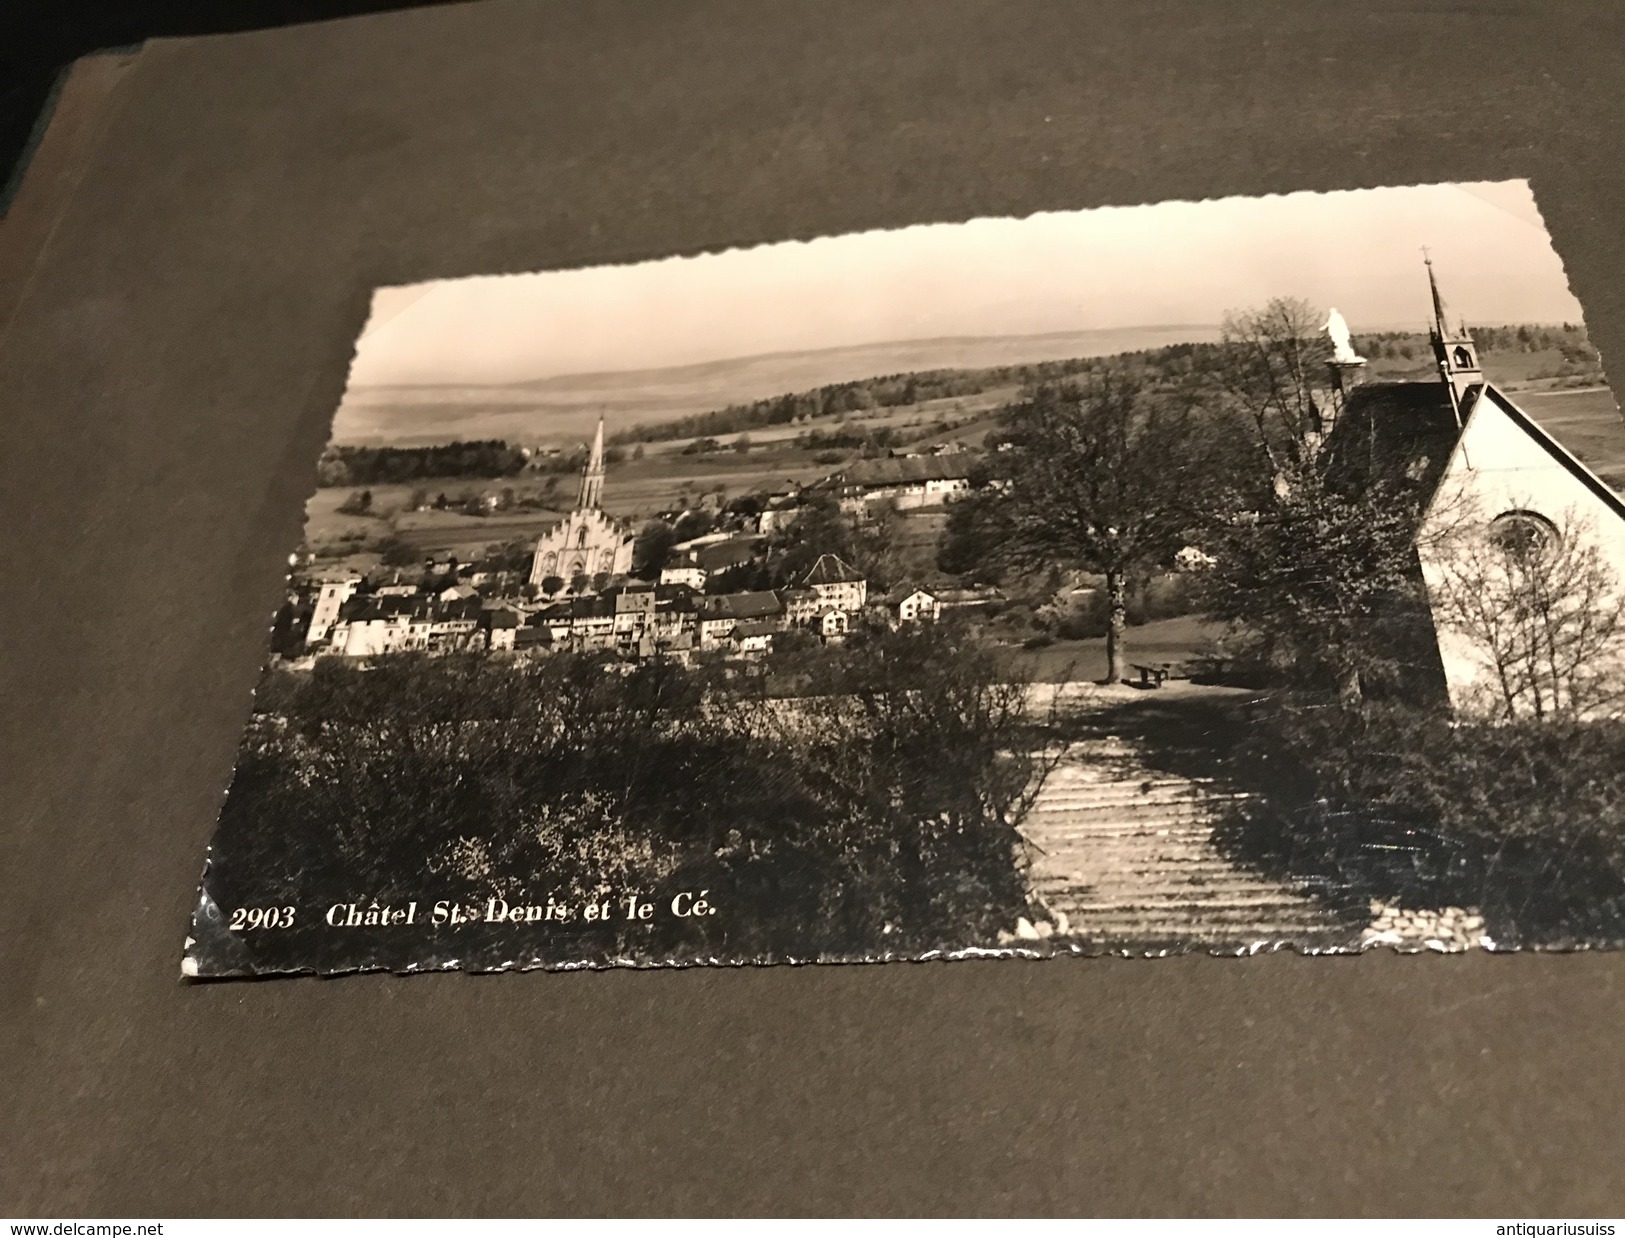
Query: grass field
{"type": "Point", "coordinates": [1587, 422]}
{"type": "Point", "coordinates": [1161, 640]}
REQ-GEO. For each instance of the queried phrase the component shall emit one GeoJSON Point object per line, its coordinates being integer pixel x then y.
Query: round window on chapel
{"type": "Point", "coordinates": [1524, 535]}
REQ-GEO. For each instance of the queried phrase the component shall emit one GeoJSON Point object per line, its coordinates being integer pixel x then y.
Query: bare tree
{"type": "Point", "coordinates": [1318, 569]}
{"type": "Point", "coordinates": [1538, 607]}
{"type": "Point", "coordinates": [1272, 367]}
{"type": "Point", "coordinates": [1099, 480]}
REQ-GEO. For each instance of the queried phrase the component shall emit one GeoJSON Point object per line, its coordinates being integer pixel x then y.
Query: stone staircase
{"type": "Point", "coordinates": [1124, 858]}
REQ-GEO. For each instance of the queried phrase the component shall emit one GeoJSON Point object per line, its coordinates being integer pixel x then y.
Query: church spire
{"type": "Point", "coordinates": [1455, 351]}
{"type": "Point", "coordinates": [592, 478]}
{"type": "Point", "coordinates": [1439, 328]}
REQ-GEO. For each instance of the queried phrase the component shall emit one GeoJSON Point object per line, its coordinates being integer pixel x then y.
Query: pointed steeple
{"type": "Point", "coordinates": [1438, 297]}
{"type": "Point", "coordinates": [1455, 351]}
{"type": "Point", "coordinates": [592, 478]}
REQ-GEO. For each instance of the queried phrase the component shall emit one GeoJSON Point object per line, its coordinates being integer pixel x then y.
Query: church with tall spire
{"type": "Point", "coordinates": [588, 542]}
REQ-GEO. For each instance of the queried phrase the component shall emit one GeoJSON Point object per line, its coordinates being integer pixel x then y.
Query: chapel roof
{"type": "Point", "coordinates": [1403, 434]}
{"type": "Point", "coordinates": [1394, 433]}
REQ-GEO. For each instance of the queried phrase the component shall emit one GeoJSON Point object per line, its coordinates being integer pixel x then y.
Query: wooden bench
{"type": "Point", "coordinates": [1152, 676]}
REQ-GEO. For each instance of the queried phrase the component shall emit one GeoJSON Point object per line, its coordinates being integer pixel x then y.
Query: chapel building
{"type": "Point", "coordinates": [1481, 474]}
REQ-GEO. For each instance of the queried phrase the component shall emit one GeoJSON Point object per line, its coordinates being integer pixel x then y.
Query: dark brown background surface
{"type": "Point", "coordinates": [165, 386]}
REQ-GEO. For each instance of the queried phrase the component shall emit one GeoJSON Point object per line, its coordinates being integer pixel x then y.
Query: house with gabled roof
{"type": "Point", "coordinates": [753, 636]}
{"type": "Point", "coordinates": [832, 624]}
{"type": "Point", "coordinates": [836, 583]}
{"type": "Point", "coordinates": [912, 603]}
{"type": "Point", "coordinates": [500, 625]}
{"type": "Point", "coordinates": [1481, 473]}
{"type": "Point", "coordinates": [905, 481]}
{"type": "Point", "coordinates": [720, 613]}
{"type": "Point", "coordinates": [369, 625]}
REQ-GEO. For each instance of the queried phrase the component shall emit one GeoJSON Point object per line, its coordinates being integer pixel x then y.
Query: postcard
{"type": "Point", "coordinates": [1199, 576]}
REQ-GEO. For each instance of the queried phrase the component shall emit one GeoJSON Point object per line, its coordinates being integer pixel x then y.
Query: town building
{"type": "Point", "coordinates": [832, 624]}
{"type": "Point", "coordinates": [454, 621]}
{"type": "Point", "coordinates": [720, 614]}
{"type": "Point", "coordinates": [330, 599]}
{"type": "Point", "coordinates": [634, 610]}
{"type": "Point", "coordinates": [754, 636]}
{"type": "Point", "coordinates": [587, 542]}
{"type": "Point", "coordinates": [911, 603]}
{"type": "Point", "coordinates": [907, 482]}
{"type": "Point", "coordinates": [684, 573]}
{"type": "Point", "coordinates": [837, 583]}
{"type": "Point", "coordinates": [501, 626]}
{"type": "Point", "coordinates": [368, 626]}
{"type": "Point", "coordinates": [800, 604]}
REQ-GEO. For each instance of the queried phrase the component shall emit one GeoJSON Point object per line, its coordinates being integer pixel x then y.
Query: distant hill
{"type": "Point", "coordinates": [564, 409]}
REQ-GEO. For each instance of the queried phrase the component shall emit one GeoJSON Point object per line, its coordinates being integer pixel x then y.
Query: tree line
{"type": "Point", "coordinates": [1166, 363]}
{"type": "Point", "coordinates": [342, 465]}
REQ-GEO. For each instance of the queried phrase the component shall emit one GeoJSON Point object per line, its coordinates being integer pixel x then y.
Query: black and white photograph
{"type": "Point", "coordinates": [1218, 576]}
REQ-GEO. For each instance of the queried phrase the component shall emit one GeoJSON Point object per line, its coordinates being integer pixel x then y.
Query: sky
{"type": "Point", "coordinates": [1163, 264]}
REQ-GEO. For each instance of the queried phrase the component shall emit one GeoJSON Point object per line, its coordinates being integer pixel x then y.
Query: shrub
{"type": "Point", "coordinates": [879, 817]}
{"type": "Point", "coordinates": [1524, 820]}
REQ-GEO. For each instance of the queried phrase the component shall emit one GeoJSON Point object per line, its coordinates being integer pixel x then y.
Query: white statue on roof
{"type": "Point", "coordinates": [1342, 345]}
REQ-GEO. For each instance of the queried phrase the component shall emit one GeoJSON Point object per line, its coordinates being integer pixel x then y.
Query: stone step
{"type": "Point", "coordinates": [1220, 901]}
{"type": "Point", "coordinates": [1088, 807]}
{"type": "Point", "coordinates": [1174, 889]}
{"type": "Point", "coordinates": [1089, 810]}
{"type": "Point", "coordinates": [1164, 871]}
{"type": "Point", "coordinates": [1127, 854]}
{"type": "Point", "coordinates": [1125, 783]}
{"type": "Point", "coordinates": [1151, 829]}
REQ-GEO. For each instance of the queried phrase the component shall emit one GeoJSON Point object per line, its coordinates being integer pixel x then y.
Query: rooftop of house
{"type": "Point", "coordinates": [752, 627]}
{"type": "Point", "coordinates": [969, 596]}
{"type": "Point", "coordinates": [723, 555]}
{"type": "Point", "coordinates": [832, 570]}
{"type": "Point", "coordinates": [459, 608]}
{"type": "Point", "coordinates": [906, 590]}
{"type": "Point", "coordinates": [675, 597]}
{"type": "Point", "coordinates": [757, 605]}
{"type": "Point", "coordinates": [634, 601]}
{"type": "Point", "coordinates": [904, 470]}
{"type": "Point", "coordinates": [366, 608]}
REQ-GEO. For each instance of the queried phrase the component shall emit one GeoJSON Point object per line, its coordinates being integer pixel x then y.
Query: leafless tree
{"type": "Point", "coordinates": [1272, 368]}
{"type": "Point", "coordinates": [1539, 608]}
{"type": "Point", "coordinates": [1102, 479]}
